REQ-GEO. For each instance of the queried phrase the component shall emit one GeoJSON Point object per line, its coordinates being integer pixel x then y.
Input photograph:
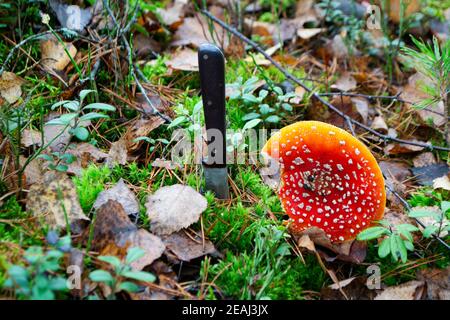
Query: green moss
{"type": "Point", "coordinates": [90, 184]}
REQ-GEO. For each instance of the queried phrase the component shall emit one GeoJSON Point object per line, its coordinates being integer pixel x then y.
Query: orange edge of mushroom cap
{"type": "Point", "coordinates": [329, 179]}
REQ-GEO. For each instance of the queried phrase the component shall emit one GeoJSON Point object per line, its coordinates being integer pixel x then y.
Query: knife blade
{"type": "Point", "coordinates": [212, 81]}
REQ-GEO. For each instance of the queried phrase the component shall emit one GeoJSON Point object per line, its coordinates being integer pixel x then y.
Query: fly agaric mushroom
{"type": "Point", "coordinates": [329, 179]}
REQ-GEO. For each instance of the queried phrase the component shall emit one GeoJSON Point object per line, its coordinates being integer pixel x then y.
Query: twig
{"type": "Point", "coordinates": [133, 66]}
{"type": "Point", "coordinates": [315, 95]}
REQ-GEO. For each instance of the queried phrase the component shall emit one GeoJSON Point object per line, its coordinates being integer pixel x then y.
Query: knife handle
{"type": "Point", "coordinates": [212, 80]}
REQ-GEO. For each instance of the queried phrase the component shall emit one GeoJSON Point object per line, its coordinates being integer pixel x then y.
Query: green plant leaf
{"type": "Point", "coordinates": [251, 124]}
{"type": "Point", "coordinates": [445, 206]}
{"type": "Point", "coordinates": [250, 116]}
{"type": "Point", "coordinates": [273, 119]}
{"type": "Point", "coordinates": [134, 254]}
{"type": "Point", "coordinates": [128, 286]}
{"type": "Point", "coordinates": [114, 261]}
{"type": "Point", "coordinates": [372, 233]}
{"type": "Point", "coordinates": [101, 276]}
{"type": "Point", "coordinates": [177, 121]}
{"type": "Point", "coordinates": [81, 133]}
{"type": "Point", "coordinates": [92, 116]}
{"type": "Point", "coordinates": [384, 249]}
{"type": "Point", "coordinates": [421, 213]}
{"type": "Point", "coordinates": [430, 230]}
{"type": "Point", "coordinates": [100, 106]}
{"type": "Point", "coordinates": [140, 276]}
{"type": "Point", "coordinates": [85, 92]}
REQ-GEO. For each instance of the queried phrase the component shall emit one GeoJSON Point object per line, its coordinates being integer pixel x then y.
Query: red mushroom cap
{"type": "Point", "coordinates": [330, 179]}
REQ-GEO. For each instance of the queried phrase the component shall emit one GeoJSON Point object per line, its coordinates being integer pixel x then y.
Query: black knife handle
{"type": "Point", "coordinates": [212, 80]}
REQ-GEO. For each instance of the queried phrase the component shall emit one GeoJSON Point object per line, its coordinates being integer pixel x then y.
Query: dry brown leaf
{"type": "Point", "coordinates": [411, 290]}
{"type": "Point", "coordinates": [309, 33]}
{"type": "Point", "coordinates": [114, 230]}
{"type": "Point", "coordinates": [396, 173]}
{"type": "Point", "coordinates": [167, 164]}
{"type": "Point", "coordinates": [10, 86]}
{"type": "Point", "coordinates": [58, 135]}
{"type": "Point", "coordinates": [172, 15]}
{"type": "Point", "coordinates": [71, 16]}
{"type": "Point", "coordinates": [173, 208]}
{"type": "Point", "coordinates": [187, 248]}
{"type": "Point", "coordinates": [346, 82]}
{"type": "Point", "coordinates": [411, 7]}
{"type": "Point", "coordinates": [442, 183]}
{"type": "Point", "coordinates": [122, 194]}
{"type": "Point", "coordinates": [362, 106]}
{"type": "Point", "coordinates": [140, 128]}
{"type": "Point", "coordinates": [85, 154]}
{"type": "Point", "coordinates": [399, 148]}
{"type": "Point", "coordinates": [438, 283]}
{"type": "Point", "coordinates": [30, 138]}
{"type": "Point", "coordinates": [355, 288]}
{"type": "Point", "coordinates": [379, 124]}
{"type": "Point", "coordinates": [424, 159]}
{"type": "Point", "coordinates": [118, 153]}
{"type": "Point", "coordinates": [34, 171]}
{"type": "Point", "coordinates": [55, 198]}
{"type": "Point", "coordinates": [413, 92]}
{"type": "Point", "coordinates": [53, 55]}
{"type": "Point", "coordinates": [185, 60]}
{"type": "Point", "coordinates": [195, 31]}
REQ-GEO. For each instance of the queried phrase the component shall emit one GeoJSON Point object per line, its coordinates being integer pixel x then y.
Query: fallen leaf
{"type": "Point", "coordinates": [309, 33]}
{"type": "Point", "coordinates": [53, 55]}
{"type": "Point", "coordinates": [442, 183]}
{"type": "Point", "coordinates": [57, 135]}
{"type": "Point", "coordinates": [355, 288]}
{"type": "Point", "coordinates": [429, 221]}
{"type": "Point", "coordinates": [345, 82]}
{"type": "Point", "coordinates": [187, 248]}
{"type": "Point", "coordinates": [140, 128]}
{"type": "Point", "coordinates": [362, 106]}
{"type": "Point", "coordinates": [411, 7]}
{"type": "Point", "coordinates": [30, 138]}
{"type": "Point", "coordinates": [34, 171]}
{"type": "Point", "coordinates": [167, 164]}
{"type": "Point", "coordinates": [55, 198]}
{"type": "Point", "coordinates": [424, 159]}
{"type": "Point", "coordinates": [10, 86]}
{"type": "Point", "coordinates": [438, 283]}
{"type": "Point", "coordinates": [173, 14]}
{"type": "Point", "coordinates": [71, 16]}
{"type": "Point", "coordinates": [396, 174]}
{"type": "Point", "coordinates": [185, 60]}
{"type": "Point", "coordinates": [118, 153]}
{"type": "Point", "coordinates": [122, 194]}
{"type": "Point", "coordinates": [113, 228]}
{"type": "Point", "coordinates": [173, 208]}
{"type": "Point", "coordinates": [399, 148]}
{"type": "Point", "coordinates": [379, 124]}
{"type": "Point", "coordinates": [426, 175]}
{"type": "Point", "coordinates": [85, 154]}
{"type": "Point", "coordinates": [414, 92]}
{"type": "Point", "coordinates": [195, 31]}
{"type": "Point", "coordinates": [411, 290]}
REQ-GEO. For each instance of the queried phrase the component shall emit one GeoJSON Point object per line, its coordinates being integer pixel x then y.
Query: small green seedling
{"type": "Point", "coordinates": [122, 273]}
{"type": "Point", "coordinates": [439, 225]}
{"type": "Point", "coordinates": [397, 241]}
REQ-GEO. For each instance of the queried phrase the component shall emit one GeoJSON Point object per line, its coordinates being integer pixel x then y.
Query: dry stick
{"type": "Point", "coordinates": [132, 66]}
{"type": "Point", "coordinates": [371, 97]}
{"type": "Point", "coordinates": [315, 95]}
{"type": "Point", "coordinates": [348, 119]}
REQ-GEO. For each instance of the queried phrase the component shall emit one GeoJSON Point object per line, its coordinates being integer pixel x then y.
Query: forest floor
{"type": "Point", "coordinates": [93, 205]}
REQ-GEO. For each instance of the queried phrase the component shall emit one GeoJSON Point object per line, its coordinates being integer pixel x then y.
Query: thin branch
{"type": "Point", "coordinates": [315, 95]}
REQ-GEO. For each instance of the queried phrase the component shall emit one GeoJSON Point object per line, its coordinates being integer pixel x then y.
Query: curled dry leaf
{"type": "Point", "coordinates": [10, 86]}
{"type": "Point", "coordinates": [85, 154]}
{"type": "Point", "coordinates": [411, 290]}
{"type": "Point", "coordinates": [424, 159]}
{"type": "Point", "coordinates": [185, 60]}
{"type": "Point", "coordinates": [187, 248]}
{"type": "Point", "coordinates": [442, 183]}
{"type": "Point", "coordinates": [113, 228]}
{"type": "Point", "coordinates": [399, 148]}
{"type": "Point", "coordinates": [122, 194]}
{"type": "Point", "coordinates": [173, 15]}
{"type": "Point", "coordinates": [55, 198]}
{"type": "Point", "coordinates": [30, 138]}
{"type": "Point", "coordinates": [140, 128]}
{"type": "Point", "coordinates": [379, 124]}
{"type": "Point", "coordinates": [173, 208]}
{"type": "Point", "coordinates": [53, 55]}
{"type": "Point", "coordinates": [345, 83]}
